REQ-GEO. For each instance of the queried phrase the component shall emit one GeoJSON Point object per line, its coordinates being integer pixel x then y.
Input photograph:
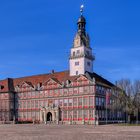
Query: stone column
{"type": "Point", "coordinates": [41, 116]}
{"type": "Point", "coordinates": [45, 121]}
{"type": "Point", "coordinates": [57, 116]}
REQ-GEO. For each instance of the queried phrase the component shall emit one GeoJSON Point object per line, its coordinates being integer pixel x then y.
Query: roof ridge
{"type": "Point", "coordinates": [40, 75]}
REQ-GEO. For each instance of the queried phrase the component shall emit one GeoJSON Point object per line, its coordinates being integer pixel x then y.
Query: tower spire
{"type": "Point", "coordinates": [81, 22]}
{"type": "Point", "coordinates": [81, 58]}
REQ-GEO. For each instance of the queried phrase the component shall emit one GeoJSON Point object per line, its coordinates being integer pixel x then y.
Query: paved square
{"type": "Point", "coordinates": [66, 132]}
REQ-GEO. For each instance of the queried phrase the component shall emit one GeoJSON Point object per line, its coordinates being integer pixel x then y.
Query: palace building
{"type": "Point", "coordinates": [75, 96]}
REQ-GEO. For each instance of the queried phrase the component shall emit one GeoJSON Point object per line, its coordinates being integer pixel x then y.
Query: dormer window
{"type": "Point", "coordinates": [1, 87]}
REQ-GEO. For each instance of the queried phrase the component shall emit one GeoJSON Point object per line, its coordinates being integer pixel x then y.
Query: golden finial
{"type": "Point", "coordinates": [82, 9]}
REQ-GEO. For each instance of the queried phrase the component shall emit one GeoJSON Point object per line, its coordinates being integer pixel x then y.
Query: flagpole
{"type": "Point", "coordinates": [106, 108]}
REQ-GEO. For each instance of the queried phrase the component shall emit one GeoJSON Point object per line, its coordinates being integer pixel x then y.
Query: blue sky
{"type": "Point", "coordinates": [36, 36]}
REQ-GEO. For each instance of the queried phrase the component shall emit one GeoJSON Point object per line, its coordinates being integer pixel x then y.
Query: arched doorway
{"type": "Point", "coordinates": [49, 116]}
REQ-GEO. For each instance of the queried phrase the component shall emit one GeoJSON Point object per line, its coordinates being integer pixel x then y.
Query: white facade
{"type": "Point", "coordinates": [81, 57]}
{"type": "Point", "coordinates": [79, 61]}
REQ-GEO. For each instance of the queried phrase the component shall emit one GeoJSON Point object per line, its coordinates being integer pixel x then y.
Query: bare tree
{"type": "Point", "coordinates": [137, 98]}
{"type": "Point", "coordinates": [126, 97]}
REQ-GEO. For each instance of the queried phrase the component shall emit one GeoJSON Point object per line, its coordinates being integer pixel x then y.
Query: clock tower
{"type": "Point", "coordinates": [81, 57]}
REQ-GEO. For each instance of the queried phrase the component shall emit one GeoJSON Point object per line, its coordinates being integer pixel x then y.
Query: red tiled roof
{"type": "Point", "coordinates": [9, 84]}
{"type": "Point", "coordinates": [60, 76]}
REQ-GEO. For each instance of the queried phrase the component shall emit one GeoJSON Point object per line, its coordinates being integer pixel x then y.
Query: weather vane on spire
{"type": "Point", "coordinates": [82, 9]}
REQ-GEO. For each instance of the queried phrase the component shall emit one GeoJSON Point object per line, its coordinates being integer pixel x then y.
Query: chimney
{"type": "Point", "coordinates": [52, 72]}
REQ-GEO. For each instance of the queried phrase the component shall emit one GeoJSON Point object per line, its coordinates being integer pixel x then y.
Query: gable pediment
{"type": "Point", "coordinates": [24, 85]}
{"type": "Point", "coordinates": [81, 80]}
{"type": "Point", "coordinates": [51, 83]}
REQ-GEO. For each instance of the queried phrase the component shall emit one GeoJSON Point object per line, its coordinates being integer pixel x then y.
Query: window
{"type": "Point", "coordinates": [76, 72]}
{"type": "Point", "coordinates": [61, 102]}
{"type": "Point", "coordinates": [56, 102]}
{"type": "Point", "coordinates": [86, 89]}
{"type": "Point", "coordinates": [75, 90]}
{"type": "Point", "coordinates": [79, 113]}
{"type": "Point", "coordinates": [70, 91]}
{"type": "Point", "coordinates": [36, 104]}
{"type": "Point", "coordinates": [90, 113]}
{"type": "Point", "coordinates": [88, 63]}
{"type": "Point", "coordinates": [85, 113]}
{"type": "Point", "coordinates": [91, 101]}
{"type": "Point", "coordinates": [79, 101]}
{"type": "Point", "coordinates": [100, 101]}
{"type": "Point", "coordinates": [75, 114]}
{"type": "Point", "coordinates": [55, 91]}
{"type": "Point", "coordinates": [33, 94]}
{"type": "Point", "coordinates": [61, 92]}
{"type": "Point", "coordinates": [70, 102]}
{"type": "Point", "coordinates": [29, 95]}
{"type": "Point", "coordinates": [32, 104]}
{"type": "Point", "coordinates": [73, 53]}
{"type": "Point", "coordinates": [20, 105]}
{"type": "Point", "coordinates": [103, 102]}
{"type": "Point", "coordinates": [41, 103]}
{"type": "Point", "coordinates": [81, 89]}
{"type": "Point", "coordinates": [24, 104]}
{"type": "Point", "coordinates": [65, 102]}
{"type": "Point", "coordinates": [74, 101]}
{"type": "Point", "coordinates": [78, 51]}
{"type": "Point", "coordinates": [97, 101]}
{"type": "Point", "coordinates": [65, 91]}
{"type": "Point", "coordinates": [77, 63]}
{"type": "Point", "coordinates": [45, 92]}
{"type": "Point", "coordinates": [85, 101]}
{"type": "Point", "coordinates": [50, 93]}
{"type": "Point", "coordinates": [28, 104]}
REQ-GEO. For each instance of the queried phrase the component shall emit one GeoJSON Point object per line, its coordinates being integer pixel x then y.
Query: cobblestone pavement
{"type": "Point", "coordinates": [66, 132]}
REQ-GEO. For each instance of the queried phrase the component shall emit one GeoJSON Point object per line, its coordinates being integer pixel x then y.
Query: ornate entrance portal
{"type": "Point", "coordinates": [49, 116]}
{"type": "Point", "coordinates": [49, 113]}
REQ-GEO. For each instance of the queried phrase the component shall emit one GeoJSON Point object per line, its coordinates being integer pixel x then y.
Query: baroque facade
{"type": "Point", "coordinates": [75, 96]}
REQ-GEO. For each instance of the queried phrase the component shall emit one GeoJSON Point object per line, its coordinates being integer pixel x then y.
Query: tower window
{"type": "Point", "coordinates": [78, 51]}
{"type": "Point", "coordinates": [73, 53]}
{"type": "Point", "coordinates": [76, 63]}
{"type": "Point", "coordinates": [88, 63]}
{"type": "Point", "coordinates": [76, 72]}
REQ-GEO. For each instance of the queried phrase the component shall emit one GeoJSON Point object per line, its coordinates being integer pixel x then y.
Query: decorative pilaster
{"type": "Point", "coordinates": [45, 121]}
